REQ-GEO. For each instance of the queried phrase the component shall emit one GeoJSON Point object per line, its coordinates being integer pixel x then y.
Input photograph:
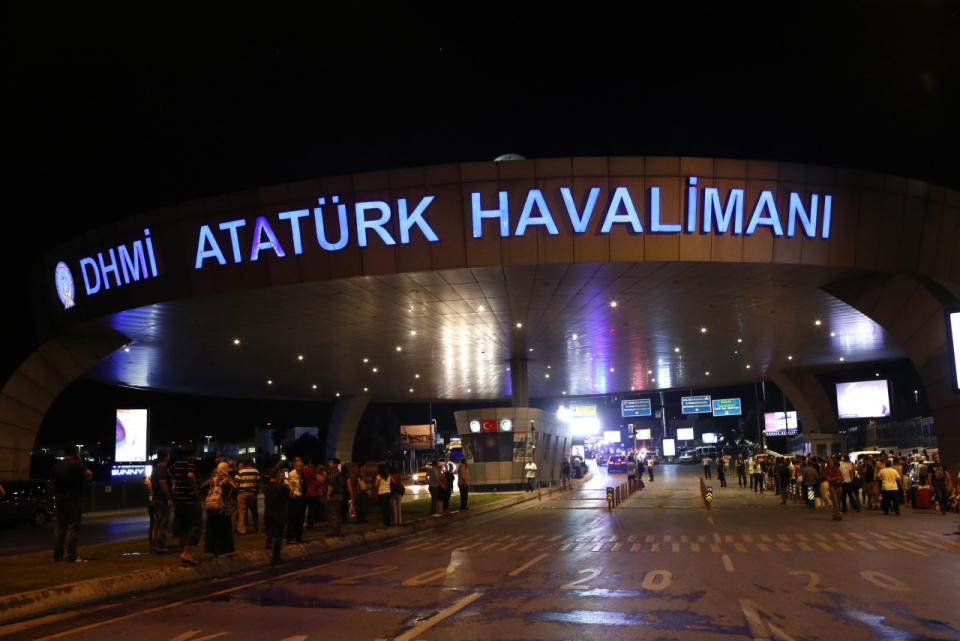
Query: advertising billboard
{"type": "Point", "coordinates": [779, 423]}
{"type": "Point", "coordinates": [583, 411]}
{"type": "Point", "coordinates": [643, 435]}
{"type": "Point", "coordinates": [611, 436]}
{"type": "Point", "coordinates": [684, 433]}
{"type": "Point", "coordinates": [953, 342]}
{"type": "Point", "coordinates": [669, 447]}
{"type": "Point", "coordinates": [863, 399]}
{"type": "Point", "coordinates": [416, 437]}
{"type": "Point", "coordinates": [709, 437]}
{"type": "Point", "coordinates": [131, 443]}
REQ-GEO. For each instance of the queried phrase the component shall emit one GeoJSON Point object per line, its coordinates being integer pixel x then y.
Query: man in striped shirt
{"type": "Point", "coordinates": [248, 484]}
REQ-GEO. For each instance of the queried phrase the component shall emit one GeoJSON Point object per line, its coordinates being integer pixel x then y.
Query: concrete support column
{"type": "Point", "coordinates": [912, 309]}
{"type": "Point", "coordinates": [518, 381]}
{"type": "Point", "coordinates": [342, 431]}
{"type": "Point", "coordinates": [814, 408]}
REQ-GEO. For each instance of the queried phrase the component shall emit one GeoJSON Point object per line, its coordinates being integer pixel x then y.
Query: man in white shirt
{"type": "Point", "coordinates": [530, 472]}
{"type": "Point", "coordinates": [846, 469]}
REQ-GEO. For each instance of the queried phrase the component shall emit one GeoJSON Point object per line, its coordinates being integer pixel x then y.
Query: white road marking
{"type": "Point", "coordinates": [885, 581]}
{"type": "Point", "coordinates": [527, 565]}
{"type": "Point", "coordinates": [428, 576]}
{"type": "Point", "coordinates": [727, 563]}
{"type": "Point", "coordinates": [636, 547]}
{"type": "Point", "coordinates": [710, 521]}
{"type": "Point", "coordinates": [413, 632]}
{"type": "Point", "coordinates": [759, 629]}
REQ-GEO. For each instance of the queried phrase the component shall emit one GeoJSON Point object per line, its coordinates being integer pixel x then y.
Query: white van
{"type": "Point", "coordinates": [856, 456]}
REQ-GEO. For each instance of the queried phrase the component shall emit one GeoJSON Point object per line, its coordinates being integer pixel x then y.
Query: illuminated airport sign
{"type": "Point", "coordinates": [726, 407]}
{"type": "Point", "coordinates": [695, 405]}
{"type": "Point", "coordinates": [635, 407]}
{"type": "Point", "coordinates": [332, 224]}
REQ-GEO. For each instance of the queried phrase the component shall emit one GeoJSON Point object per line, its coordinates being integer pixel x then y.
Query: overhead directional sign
{"type": "Point", "coordinates": [695, 405]}
{"type": "Point", "coordinates": [635, 407]}
{"type": "Point", "coordinates": [727, 407]}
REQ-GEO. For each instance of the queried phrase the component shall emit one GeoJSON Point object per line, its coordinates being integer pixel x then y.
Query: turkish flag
{"type": "Point", "coordinates": [488, 425]}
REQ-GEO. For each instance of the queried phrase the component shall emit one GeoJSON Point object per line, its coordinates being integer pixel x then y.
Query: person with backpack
{"type": "Point", "coordinates": [397, 490]}
{"type": "Point", "coordinates": [221, 493]}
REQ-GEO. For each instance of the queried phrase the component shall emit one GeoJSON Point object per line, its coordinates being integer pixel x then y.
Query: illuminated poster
{"type": "Point", "coordinates": [643, 435]}
{"type": "Point", "coordinates": [131, 444]}
{"type": "Point", "coordinates": [669, 447]}
{"type": "Point", "coordinates": [685, 433]}
{"type": "Point", "coordinates": [416, 437]}
{"type": "Point", "coordinates": [611, 436]}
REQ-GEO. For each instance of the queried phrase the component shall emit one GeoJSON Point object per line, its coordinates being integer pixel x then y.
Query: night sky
{"type": "Point", "coordinates": [112, 112]}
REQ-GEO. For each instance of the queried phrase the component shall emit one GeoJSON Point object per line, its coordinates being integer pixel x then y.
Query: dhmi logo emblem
{"type": "Point", "coordinates": [65, 287]}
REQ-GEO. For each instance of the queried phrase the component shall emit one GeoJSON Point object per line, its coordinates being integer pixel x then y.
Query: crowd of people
{"type": "Point", "coordinates": [298, 495]}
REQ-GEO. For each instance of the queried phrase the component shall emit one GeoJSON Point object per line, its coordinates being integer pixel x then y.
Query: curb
{"type": "Point", "coordinates": [24, 605]}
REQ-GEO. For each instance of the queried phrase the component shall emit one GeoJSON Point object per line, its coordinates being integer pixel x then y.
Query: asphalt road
{"type": "Point", "coordinates": [660, 566]}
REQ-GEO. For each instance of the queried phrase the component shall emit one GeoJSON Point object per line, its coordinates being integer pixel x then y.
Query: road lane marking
{"type": "Point", "coordinates": [467, 547]}
{"type": "Point", "coordinates": [554, 538]}
{"type": "Point", "coordinates": [714, 547]}
{"type": "Point", "coordinates": [527, 565]}
{"type": "Point", "coordinates": [675, 547]}
{"type": "Point", "coordinates": [857, 536]}
{"type": "Point", "coordinates": [762, 547]}
{"type": "Point", "coordinates": [632, 539]}
{"type": "Point", "coordinates": [819, 537]}
{"type": "Point", "coordinates": [879, 536]}
{"type": "Point", "coordinates": [885, 581]}
{"type": "Point", "coordinates": [524, 548]}
{"type": "Point", "coordinates": [765, 538]}
{"type": "Point", "coordinates": [716, 538]}
{"type": "Point", "coordinates": [613, 538]}
{"type": "Point", "coordinates": [597, 547]}
{"type": "Point", "coordinates": [694, 547]}
{"type": "Point", "coordinates": [805, 547]}
{"type": "Point", "coordinates": [866, 545]}
{"type": "Point", "coordinates": [727, 563]}
{"type": "Point", "coordinates": [748, 538]}
{"type": "Point", "coordinates": [489, 546]}
{"type": "Point", "coordinates": [900, 536]}
{"type": "Point", "coordinates": [758, 628]}
{"type": "Point", "coordinates": [636, 547]}
{"type": "Point", "coordinates": [783, 537]}
{"type": "Point", "coordinates": [654, 547]}
{"type": "Point", "coordinates": [414, 632]}
{"type": "Point", "coordinates": [710, 520]}
{"type": "Point", "coordinates": [176, 604]}
{"type": "Point", "coordinates": [350, 580]}
{"type": "Point", "coordinates": [565, 546]}
{"type": "Point", "coordinates": [890, 545]}
{"type": "Point", "coordinates": [825, 546]}
{"type": "Point", "coordinates": [535, 538]}
{"type": "Point", "coordinates": [728, 538]}
{"type": "Point", "coordinates": [842, 545]}
{"type": "Point", "coordinates": [428, 576]}
{"type": "Point", "coordinates": [507, 546]}
{"type": "Point", "coordinates": [783, 547]}
{"type": "Point", "coordinates": [800, 537]}
{"type": "Point", "coordinates": [188, 636]}
{"type": "Point", "coordinates": [838, 536]}
{"type": "Point", "coordinates": [650, 538]}
{"type": "Point", "coordinates": [616, 547]}
{"type": "Point", "coordinates": [911, 547]}
{"type": "Point", "coordinates": [740, 547]}
{"type": "Point", "coordinates": [667, 538]}
{"type": "Point", "coordinates": [419, 545]}
{"type": "Point", "coordinates": [657, 580]}
{"type": "Point", "coordinates": [702, 538]}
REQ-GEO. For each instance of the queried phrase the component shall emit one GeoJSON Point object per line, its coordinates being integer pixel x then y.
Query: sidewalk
{"type": "Point", "coordinates": [151, 572]}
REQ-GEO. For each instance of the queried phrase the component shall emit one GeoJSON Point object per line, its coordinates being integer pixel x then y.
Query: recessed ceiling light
{"type": "Point", "coordinates": [531, 349]}
{"type": "Point", "coordinates": [546, 376]}
{"type": "Point", "coordinates": [564, 392]}
{"type": "Point", "coordinates": [841, 359]}
{"type": "Point", "coordinates": [676, 349]}
{"type": "Point", "coordinates": [413, 332]}
{"type": "Point", "coordinates": [739, 340]}
{"type": "Point", "coordinates": [573, 336]}
{"type": "Point", "coordinates": [833, 333]}
{"type": "Point", "coordinates": [416, 376]}
{"type": "Point", "coordinates": [399, 348]}
{"type": "Point", "coordinates": [469, 390]}
{"type": "Point", "coordinates": [508, 369]}
{"type": "Point", "coordinates": [374, 370]}
{"type": "Point", "coordinates": [366, 389]}
{"type": "Point", "coordinates": [269, 381]}
{"type": "Point", "coordinates": [707, 372]}
{"type": "Point", "coordinates": [649, 371]}
{"type": "Point", "coordinates": [481, 309]}
{"type": "Point", "coordinates": [366, 360]}
{"type": "Point", "coordinates": [299, 357]}
{"type": "Point", "coordinates": [703, 330]}
{"type": "Point", "coordinates": [519, 325]}
{"type": "Point", "coordinates": [337, 394]}
{"type": "Point", "coordinates": [748, 365]}
{"type": "Point", "coordinates": [613, 303]}
{"type": "Point", "coordinates": [314, 386]}
{"type": "Point", "coordinates": [790, 357]}
{"type": "Point", "coordinates": [611, 369]}
{"type": "Point", "coordinates": [876, 374]}
{"type": "Point", "coordinates": [818, 322]}
{"type": "Point", "coordinates": [236, 341]}
{"type": "Point", "coordinates": [660, 360]}
{"type": "Point", "coordinates": [126, 349]}
{"type": "Point", "coordinates": [548, 367]}
{"type": "Point", "coordinates": [411, 389]}
{"type": "Point", "coordinates": [653, 380]}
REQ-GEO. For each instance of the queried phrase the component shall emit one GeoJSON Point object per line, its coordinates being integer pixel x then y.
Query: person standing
{"type": "Point", "coordinates": [706, 465]}
{"type": "Point", "coordinates": [188, 513]}
{"type": "Point", "coordinates": [383, 492]}
{"type": "Point", "coordinates": [784, 474]}
{"type": "Point", "coordinates": [721, 472]}
{"type": "Point", "coordinates": [889, 488]}
{"type": "Point", "coordinates": [276, 496]}
{"type": "Point", "coordinates": [335, 491]}
{"type": "Point", "coordinates": [162, 484]}
{"type": "Point", "coordinates": [631, 470]}
{"type": "Point", "coordinates": [530, 473]}
{"type": "Point", "coordinates": [463, 483]}
{"type": "Point", "coordinates": [447, 486]}
{"type": "Point", "coordinates": [650, 468]}
{"type": "Point", "coordinates": [848, 472]}
{"type": "Point", "coordinates": [396, 497]}
{"type": "Point", "coordinates": [809, 476]}
{"type": "Point", "coordinates": [67, 477]}
{"type": "Point", "coordinates": [248, 486]}
{"type": "Point", "coordinates": [295, 507]}
{"type": "Point", "coordinates": [218, 537]}
{"type": "Point", "coordinates": [565, 473]}
{"type": "Point", "coordinates": [433, 485]}
{"type": "Point", "coordinates": [834, 478]}
{"type": "Point", "coordinates": [309, 478]}
{"type": "Point", "coordinates": [321, 474]}
{"type": "Point", "coordinates": [939, 479]}
{"type": "Point", "coordinates": [741, 471]}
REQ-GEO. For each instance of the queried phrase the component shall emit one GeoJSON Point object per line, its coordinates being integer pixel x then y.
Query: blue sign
{"type": "Point", "coordinates": [695, 405]}
{"type": "Point", "coordinates": [635, 407]}
{"type": "Point", "coordinates": [727, 407]}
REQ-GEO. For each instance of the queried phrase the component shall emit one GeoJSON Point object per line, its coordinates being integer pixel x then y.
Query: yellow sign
{"type": "Point", "coordinates": [580, 411]}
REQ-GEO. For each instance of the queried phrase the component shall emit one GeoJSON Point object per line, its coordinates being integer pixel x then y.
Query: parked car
{"type": "Point", "coordinates": [617, 464]}
{"type": "Point", "coordinates": [26, 501]}
{"type": "Point", "coordinates": [601, 459]}
{"type": "Point", "coordinates": [690, 456]}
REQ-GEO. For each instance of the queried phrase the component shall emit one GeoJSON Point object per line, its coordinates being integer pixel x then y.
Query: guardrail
{"type": "Point", "coordinates": [617, 494]}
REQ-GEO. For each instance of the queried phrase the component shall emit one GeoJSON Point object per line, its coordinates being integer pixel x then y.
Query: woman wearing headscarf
{"type": "Point", "coordinates": [218, 538]}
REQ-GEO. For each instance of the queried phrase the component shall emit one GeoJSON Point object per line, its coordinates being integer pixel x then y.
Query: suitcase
{"type": "Point", "coordinates": [921, 498]}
